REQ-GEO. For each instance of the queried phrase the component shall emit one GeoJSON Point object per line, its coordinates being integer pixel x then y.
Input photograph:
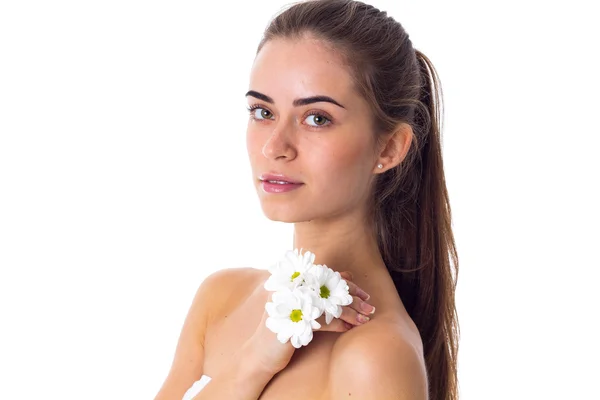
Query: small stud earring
{"type": "Point", "coordinates": [379, 165]}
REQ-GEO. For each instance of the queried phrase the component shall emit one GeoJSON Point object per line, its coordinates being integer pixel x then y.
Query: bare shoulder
{"type": "Point", "coordinates": [218, 292]}
{"type": "Point", "coordinates": [227, 287]}
{"type": "Point", "coordinates": [232, 276]}
{"type": "Point", "coordinates": [379, 360]}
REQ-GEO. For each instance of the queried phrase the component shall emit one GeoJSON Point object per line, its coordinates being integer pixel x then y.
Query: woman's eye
{"type": "Point", "coordinates": [317, 119]}
{"type": "Point", "coordinates": [261, 113]}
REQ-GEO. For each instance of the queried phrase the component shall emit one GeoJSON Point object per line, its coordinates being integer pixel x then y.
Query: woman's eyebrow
{"type": "Point", "coordinates": [297, 102]}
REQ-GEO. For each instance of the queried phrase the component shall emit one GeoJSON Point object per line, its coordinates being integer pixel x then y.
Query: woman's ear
{"type": "Point", "coordinates": [395, 147]}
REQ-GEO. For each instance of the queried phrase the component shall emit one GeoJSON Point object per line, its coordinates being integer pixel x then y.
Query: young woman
{"type": "Point", "coordinates": [344, 142]}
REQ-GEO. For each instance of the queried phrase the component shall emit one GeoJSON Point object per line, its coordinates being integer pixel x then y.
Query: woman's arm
{"type": "Point", "coordinates": [243, 381]}
{"type": "Point", "coordinates": [258, 360]}
{"type": "Point", "coordinates": [188, 361]}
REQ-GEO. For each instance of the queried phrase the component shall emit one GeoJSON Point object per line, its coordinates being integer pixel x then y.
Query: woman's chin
{"type": "Point", "coordinates": [282, 213]}
{"type": "Point", "coordinates": [279, 215]}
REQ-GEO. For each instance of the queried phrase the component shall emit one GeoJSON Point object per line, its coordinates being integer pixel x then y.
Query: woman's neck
{"type": "Point", "coordinates": [342, 245]}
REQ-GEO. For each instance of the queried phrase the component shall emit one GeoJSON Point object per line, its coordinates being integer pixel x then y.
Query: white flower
{"type": "Point", "coordinates": [303, 292]}
{"type": "Point", "coordinates": [292, 315]}
{"type": "Point", "coordinates": [289, 272]}
{"type": "Point", "coordinates": [332, 291]}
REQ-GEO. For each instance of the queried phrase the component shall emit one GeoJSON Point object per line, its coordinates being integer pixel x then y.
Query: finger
{"type": "Point", "coordinates": [361, 306]}
{"type": "Point", "coordinates": [347, 275]}
{"type": "Point", "coordinates": [357, 291]}
{"type": "Point", "coordinates": [336, 325]}
{"type": "Point", "coordinates": [353, 317]}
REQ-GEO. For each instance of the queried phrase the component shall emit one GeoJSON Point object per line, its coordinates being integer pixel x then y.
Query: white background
{"type": "Point", "coordinates": [124, 182]}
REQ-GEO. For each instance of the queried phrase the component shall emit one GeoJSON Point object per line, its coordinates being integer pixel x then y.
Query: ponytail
{"type": "Point", "coordinates": [415, 238]}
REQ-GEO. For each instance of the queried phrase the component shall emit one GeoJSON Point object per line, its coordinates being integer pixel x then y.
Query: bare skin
{"type": "Point", "coordinates": [331, 149]}
{"type": "Point", "coordinates": [309, 373]}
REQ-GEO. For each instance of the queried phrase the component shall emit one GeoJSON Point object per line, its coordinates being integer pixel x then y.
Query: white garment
{"type": "Point", "coordinates": [196, 387]}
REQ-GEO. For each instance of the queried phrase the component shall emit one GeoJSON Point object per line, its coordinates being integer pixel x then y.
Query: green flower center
{"type": "Point", "coordinates": [295, 275]}
{"type": "Point", "coordinates": [296, 315]}
{"type": "Point", "coordinates": [325, 292]}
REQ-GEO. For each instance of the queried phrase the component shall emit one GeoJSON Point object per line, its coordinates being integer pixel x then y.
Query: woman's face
{"type": "Point", "coordinates": [327, 147]}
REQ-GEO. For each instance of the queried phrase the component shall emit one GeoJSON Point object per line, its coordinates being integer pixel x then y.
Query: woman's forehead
{"type": "Point", "coordinates": [295, 68]}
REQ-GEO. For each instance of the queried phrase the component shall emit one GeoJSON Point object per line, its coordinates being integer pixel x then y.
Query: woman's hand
{"type": "Point", "coordinates": [271, 356]}
{"type": "Point", "coordinates": [356, 313]}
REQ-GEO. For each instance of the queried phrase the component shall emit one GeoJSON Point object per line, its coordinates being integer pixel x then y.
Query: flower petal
{"type": "Point", "coordinates": [271, 309]}
{"type": "Point", "coordinates": [328, 317]}
{"type": "Point", "coordinates": [296, 341]}
{"type": "Point", "coordinates": [283, 310]}
{"type": "Point", "coordinates": [285, 332]}
{"type": "Point", "coordinates": [299, 327]}
{"type": "Point", "coordinates": [306, 336]}
{"type": "Point", "coordinates": [347, 300]}
{"type": "Point", "coordinates": [337, 311]}
{"type": "Point", "coordinates": [316, 312]}
{"type": "Point", "coordinates": [271, 284]}
{"type": "Point", "coordinates": [315, 325]}
{"type": "Point", "coordinates": [274, 324]}
{"type": "Point", "coordinates": [283, 337]}
{"type": "Point", "coordinates": [284, 296]}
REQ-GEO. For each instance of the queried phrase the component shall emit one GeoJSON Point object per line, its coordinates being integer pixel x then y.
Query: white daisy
{"type": "Point", "coordinates": [292, 316]}
{"type": "Point", "coordinates": [332, 291]}
{"type": "Point", "coordinates": [289, 272]}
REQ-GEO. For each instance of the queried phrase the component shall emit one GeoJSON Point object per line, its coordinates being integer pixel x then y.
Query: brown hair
{"type": "Point", "coordinates": [410, 205]}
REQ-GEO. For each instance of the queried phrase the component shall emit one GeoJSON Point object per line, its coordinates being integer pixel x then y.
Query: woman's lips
{"type": "Point", "coordinates": [277, 177]}
{"type": "Point", "coordinates": [272, 187]}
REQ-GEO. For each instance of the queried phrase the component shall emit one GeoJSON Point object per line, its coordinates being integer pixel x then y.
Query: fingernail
{"type": "Point", "coordinates": [362, 318]}
{"type": "Point", "coordinates": [347, 325]}
{"type": "Point", "coordinates": [368, 308]}
{"type": "Point", "coordinates": [364, 295]}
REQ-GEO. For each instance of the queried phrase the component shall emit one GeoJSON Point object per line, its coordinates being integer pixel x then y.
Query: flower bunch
{"type": "Point", "coordinates": [303, 292]}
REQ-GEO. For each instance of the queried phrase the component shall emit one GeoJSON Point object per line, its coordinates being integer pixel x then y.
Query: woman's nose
{"type": "Point", "coordinates": [279, 144]}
